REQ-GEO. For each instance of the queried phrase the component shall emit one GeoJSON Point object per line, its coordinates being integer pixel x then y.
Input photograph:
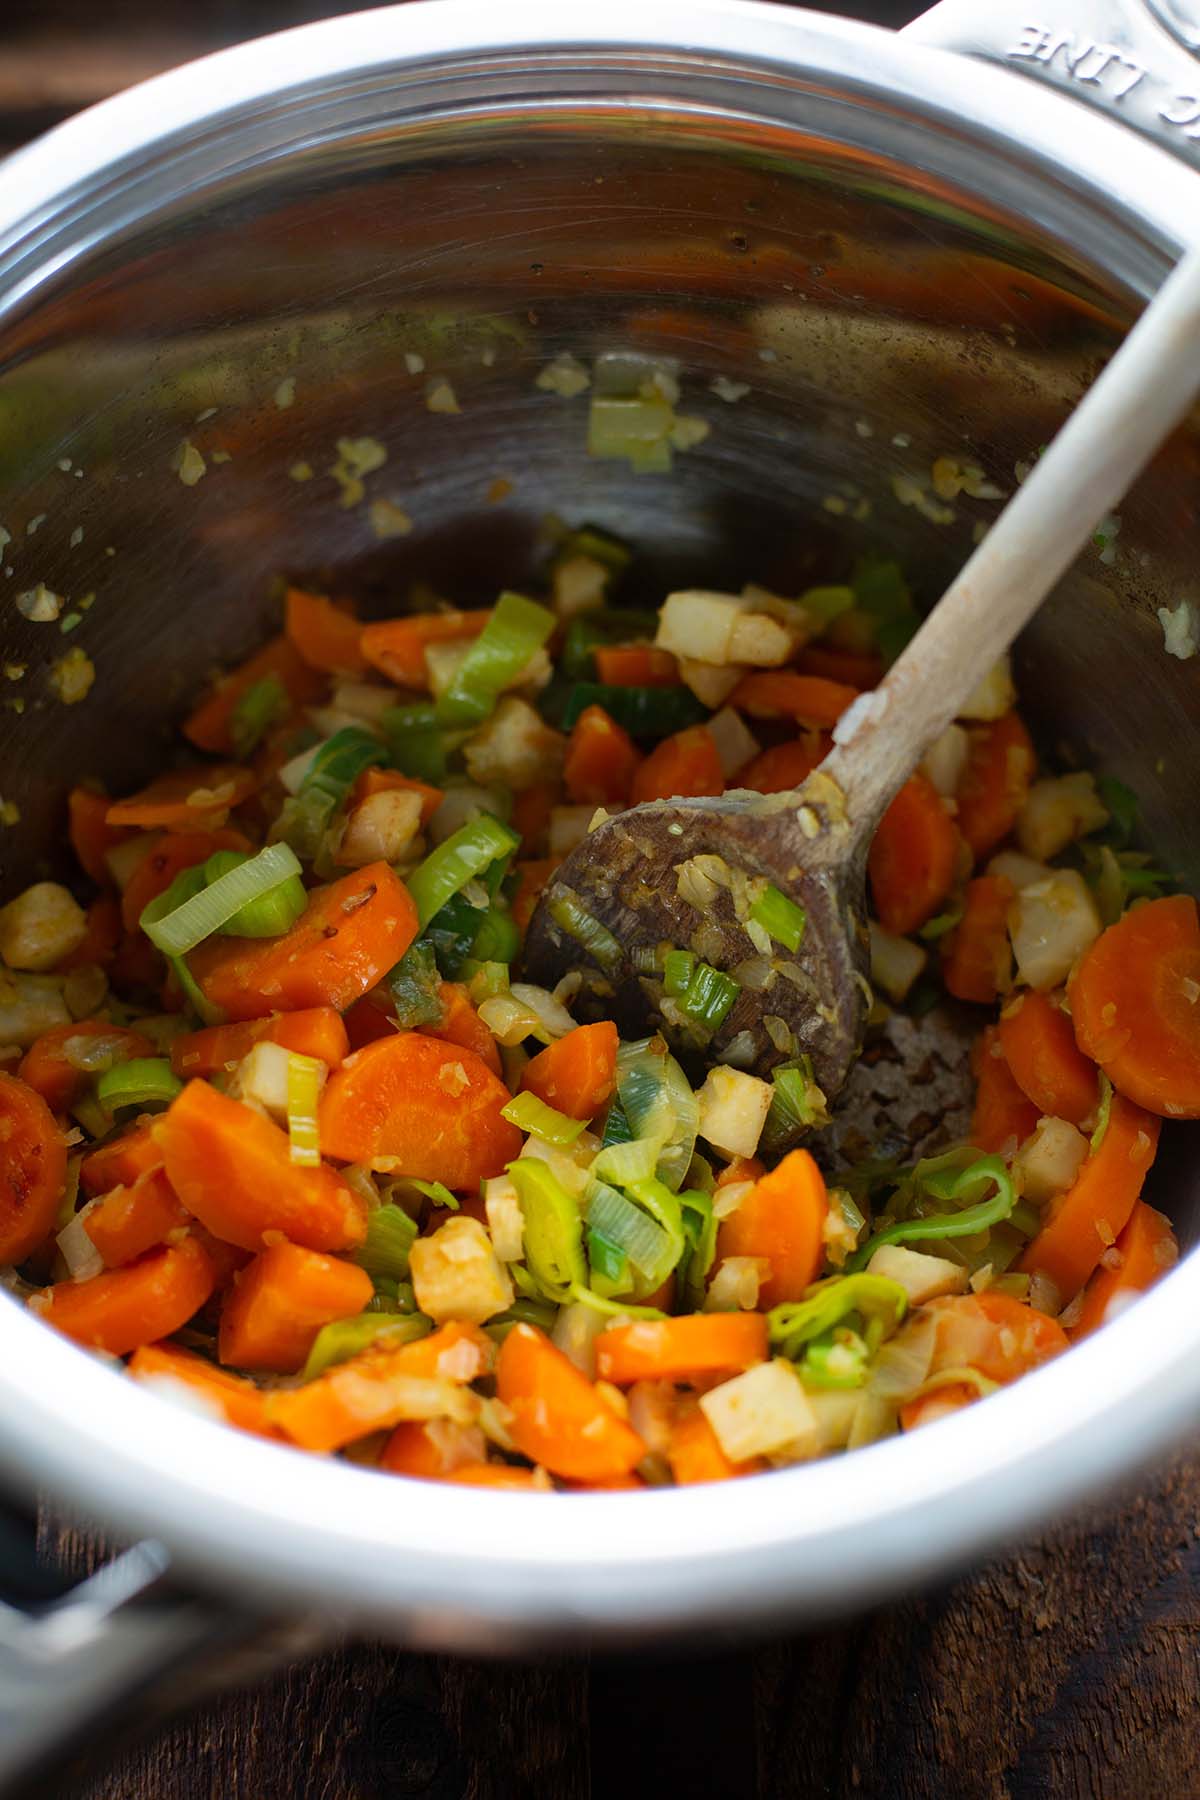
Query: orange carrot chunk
{"type": "Point", "coordinates": [976, 958]}
{"type": "Point", "coordinates": [1135, 1002]}
{"type": "Point", "coordinates": [1000, 768]}
{"type": "Point", "coordinates": [635, 665]}
{"type": "Point", "coordinates": [1004, 1114]}
{"type": "Point", "coordinates": [695, 1453]}
{"type": "Point", "coordinates": [348, 937]}
{"type": "Point", "coordinates": [558, 1417]}
{"type": "Point", "coordinates": [939, 1403]}
{"type": "Point", "coordinates": [313, 1031]}
{"type": "Point", "coordinates": [420, 1108]}
{"type": "Point", "coordinates": [461, 1024]}
{"type": "Point", "coordinates": [196, 799]}
{"type": "Point", "coordinates": [912, 857]}
{"type": "Point", "coordinates": [322, 634]}
{"type": "Point", "coordinates": [430, 1449]}
{"type": "Point", "coordinates": [1091, 1215]}
{"type": "Point", "coordinates": [123, 1308]}
{"type": "Point", "coordinates": [602, 760]}
{"type": "Point", "coordinates": [501, 1475]}
{"type": "Point", "coordinates": [120, 1162]}
{"type": "Point", "coordinates": [781, 1219]}
{"type": "Point", "coordinates": [578, 1074]}
{"type": "Point", "coordinates": [1039, 1047]}
{"type": "Point", "coordinates": [374, 781]}
{"type": "Point", "coordinates": [91, 834]}
{"type": "Point", "coordinates": [780, 694]}
{"type": "Point", "coordinates": [131, 1220]}
{"type": "Point", "coordinates": [997, 1334]}
{"type": "Point", "coordinates": [397, 646]}
{"type": "Point", "coordinates": [238, 1401]}
{"type": "Point", "coordinates": [785, 766]}
{"type": "Point", "coordinates": [679, 1349]}
{"type": "Point", "coordinates": [1143, 1252]}
{"type": "Point", "coordinates": [102, 934]}
{"type": "Point", "coordinates": [686, 765]}
{"type": "Point", "coordinates": [209, 727]}
{"type": "Point", "coordinates": [52, 1063]}
{"type": "Point", "coordinates": [33, 1169]}
{"type": "Point", "coordinates": [232, 1168]}
{"type": "Point", "coordinates": [279, 1303]}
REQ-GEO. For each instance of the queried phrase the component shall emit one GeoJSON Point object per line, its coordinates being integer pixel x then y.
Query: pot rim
{"type": "Point", "coordinates": [824, 1536]}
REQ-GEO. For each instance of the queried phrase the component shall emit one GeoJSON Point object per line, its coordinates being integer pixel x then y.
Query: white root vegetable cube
{"type": "Point", "coordinates": [1058, 811]}
{"type": "Point", "coordinates": [736, 1284]}
{"type": "Point", "coordinates": [506, 1221]}
{"type": "Point", "coordinates": [761, 641]}
{"type": "Point", "coordinates": [515, 748]}
{"type": "Point", "coordinates": [733, 1110]}
{"type": "Point", "coordinates": [29, 1005]}
{"type": "Point", "coordinates": [1049, 1160]}
{"type": "Point", "coordinates": [1022, 871]}
{"type": "Point", "coordinates": [580, 585]}
{"type": "Point", "coordinates": [736, 743]}
{"type": "Point", "coordinates": [699, 624]}
{"type": "Point", "coordinates": [40, 927]}
{"type": "Point", "coordinates": [946, 759]}
{"type": "Point", "coordinates": [922, 1277]}
{"type": "Point", "coordinates": [995, 695]}
{"type": "Point", "coordinates": [763, 1412]}
{"type": "Point", "coordinates": [895, 962]}
{"type": "Point", "coordinates": [1051, 925]}
{"type": "Point", "coordinates": [711, 683]}
{"type": "Point", "coordinates": [261, 1078]}
{"type": "Point", "coordinates": [456, 1273]}
{"type": "Point", "coordinates": [380, 828]}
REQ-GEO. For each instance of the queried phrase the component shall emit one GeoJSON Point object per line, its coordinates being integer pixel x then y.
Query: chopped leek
{"type": "Point", "coordinates": [595, 938]}
{"type": "Point", "coordinates": [780, 918]}
{"type": "Point", "coordinates": [677, 972]}
{"type": "Point", "coordinates": [498, 938]}
{"type": "Point", "coordinates": [617, 1129]}
{"type": "Point", "coordinates": [644, 712]}
{"type": "Point", "coordinates": [179, 930]}
{"type": "Point", "coordinates": [600, 545]}
{"type": "Point", "coordinates": [530, 1114]}
{"type": "Point", "coordinates": [608, 1264]}
{"type": "Point", "coordinates": [273, 913]}
{"type": "Point", "coordinates": [409, 1188]}
{"type": "Point", "coordinates": [345, 1338]}
{"type": "Point", "coordinates": [946, 1178]}
{"type": "Point", "coordinates": [335, 767]}
{"type": "Point", "coordinates": [391, 1234]}
{"type": "Point", "coordinates": [709, 996]}
{"type": "Point", "coordinates": [636, 1160]}
{"type": "Point", "coordinates": [796, 1323]}
{"type": "Point", "coordinates": [304, 1075]}
{"type": "Point", "coordinates": [451, 934]}
{"type": "Point", "coordinates": [825, 604]}
{"type": "Point", "coordinates": [658, 1102]}
{"type": "Point", "coordinates": [516, 630]}
{"type": "Point", "coordinates": [666, 1210]}
{"type": "Point", "coordinates": [940, 924]}
{"type": "Point", "coordinates": [463, 856]}
{"type": "Point", "coordinates": [1103, 1114]}
{"type": "Point", "coordinates": [414, 984]}
{"type": "Point", "coordinates": [553, 1229]}
{"type": "Point", "coordinates": [260, 707]}
{"type": "Point", "coordinates": [632, 1232]}
{"type": "Point", "coordinates": [142, 1081]}
{"type": "Point", "coordinates": [525, 1310]}
{"type": "Point", "coordinates": [797, 1103]}
{"type": "Point", "coordinates": [598, 629]}
{"type": "Point", "coordinates": [700, 1230]}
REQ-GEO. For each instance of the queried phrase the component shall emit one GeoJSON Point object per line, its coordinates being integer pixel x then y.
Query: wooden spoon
{"type": "Point", "coordinates": [634, 886]}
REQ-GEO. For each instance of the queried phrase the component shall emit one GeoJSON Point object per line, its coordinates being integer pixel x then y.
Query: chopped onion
{"type": "Point", "coordinates": [81, 1256]}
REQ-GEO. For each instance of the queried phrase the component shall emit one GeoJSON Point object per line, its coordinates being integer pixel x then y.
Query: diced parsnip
{"type": "Point", "coordinates": [834, 1410]}
{"type": "Point", "coordinates": [123, 860]}
{"type": "Point", "coordinates": [515, 748]}
{"type": "Point", "coordinates": [380, 828]}
{"type": "Point", "coordinates": [456, 1273]}
{"type": "Point", "coordinates": [736, 743]}
{"type": "Point", "coordinates": [506, 1221]}
{"type": "Point", "coordinates": [575, 1332]}
{"type": "Point", "coordinates": [366, 701]}
{"type": "Point", "coordinates": [291, 775]}
{"type": "Point", "coordinates": [1022, 871]}
{"type": "Point", "coordinates": [1051, 925]}
{"type": "Point", "coordinates": [443, 661]}
{"type": "Point", "coordinates": [261, 1079]}
{"type": "Point", "coordinates": [761, 641]}
{"type": "Point", "coordinates": [995, 695]}
{"type": "Point", "coordinates": [29, 1005]}
{"type": "Point", "coordinates": [1049, 1160]}
{"type": "Point", "coordinates": [762, 1412]}
{"type": "Point", "coordinates": [734, 1287]}
{"type": "Point", "coordinates": [895, 962]}
{"type": "Point", "coordinates": [699, 624]}
{"type": "Point", "coordinates": [922, 1277]}
{"type": "Point", "coordinates": [580, 586]}
{"type": "Point", "coordinates": [1058, 811]}
{"type": "Point", "coordinates": [791, 613]}
{"type": "Point", "coordinates": [733, 1110]}
{"type": "Point", "coordinates": [946, 758]}
{"type": "Point", "coordinates": [568, 826]}
{"type": "Point", "coordinates": [40, 927]}
{"type": "Point", "coordinates": [712, 683]}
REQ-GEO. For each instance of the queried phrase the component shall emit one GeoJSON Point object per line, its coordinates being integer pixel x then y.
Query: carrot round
{"type": "Point", "coordinates": [461, 1024]}
{"type": "Point", "coordinates": [601, 762]}
{"type": "Point", "coordinates": [976, 958]}
{"type": "Point", "coordinates": [686, 765]}
{"type": "Point", "coordinates": [90, 833]}
{"type": "Point", "coordinates": [1135, 1002]}
{"type": "Point", "coordinates": [785, 766]}
{"type": "Point", "coordinates": [33, 1169]}
{"type": "Point", "coordinates": [576, 1075]}
{"type": "Point", "coordinates": [695, 1453]}
{"type": "Point", "coordinates": [238, 1401]}
{"type": "Point", "coordinates": [420, 1108]}
{"type": "Point", "coordinates": [209, 726]}
{"type": "Point", "coordinates": [1146, 1249]}
{"type": "Point", "coordinates": [123, 1308]}
{"type": "Point", "coordinates": [782, 1218]}
{"type": "Point", "coordinates": [635, 665]}
{"type": "Point", "coordinates": [678, 1349]}
{"type": "Point", "coordinates": [348, 937]}
{"type": "Point", "coordinates": [995, 782]}
{"type": "Point", "coordinates": [120, 1162]}
{"type": "Point", "coordinates": [397, 646]}
{"type": "Point", "coordinates": [1093, 1212]}
{"type": "Point", "coordinates": [176, 851]}
{"type": "Point", "coordinates": [1004, 1114]}
{"type": "Point", "coordinates": [196, 799]}
{"type": "Point", "coordinates": [322, 634]}
{"type": "Point", "coordinates": [131, 1220]}
{"type": "Point", "coordinates": [912, 858]}
{"type": "Point", "coordinates": [46, 1067]}
{"type": "Point", "coordinates": [780, 694]}
{"type": "Point", "coordinates": [313, 1031]}
{"type": "Point", "coordinates": [1000, 1336]}
{"type": "Point", "coordinates": [558, 1417]}
{"type": "Point", "coordinates": [1046, 1063]}
{"type": "Point", "coordinates": [232, 1168]}
{"type": "Point", "coordinates": [279, 1303]}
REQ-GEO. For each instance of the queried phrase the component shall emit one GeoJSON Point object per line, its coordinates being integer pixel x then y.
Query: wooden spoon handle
{"type": "Point", "coordinates": [1145, 391]}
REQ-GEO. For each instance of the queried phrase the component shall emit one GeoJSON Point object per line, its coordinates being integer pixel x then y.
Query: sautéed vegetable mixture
{"type": "Point", "coordinates": [281, 1125]}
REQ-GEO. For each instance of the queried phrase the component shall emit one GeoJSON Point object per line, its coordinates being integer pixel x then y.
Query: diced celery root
{"type": "Point", "coordinates": [763, 1412]}
{"type": "Point", "coordinates": [515, 748]}
{"type": "Point", "coordinates": [1058, 811]}
{"type": "Point", "coordinates": [1051, 924]}
{"type": "Point", "coordinates": [29, 1005]}
{"type": "Point", "coordinates": [712, 683]}
{"type": "Point", "coordinates": [456, 1273]}
{"type": "Point", "coordinates": [40, 927]}
{"type": "Point", "coordinates": [895, 962]}
{"type": "Point", "coordinates": [380, 828]}
{"type": "Point", "coordinates": [1049, 1160]}
{"type": "Point", "coordinates": [994, 696]}
{"type": "Point", "coordinates": [922, 1277]}
{"type": "Point", "coordinates": [733, 1110]}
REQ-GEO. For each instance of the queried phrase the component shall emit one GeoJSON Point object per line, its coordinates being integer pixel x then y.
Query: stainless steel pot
{"type": "Point", "coordinates": [901, 254]}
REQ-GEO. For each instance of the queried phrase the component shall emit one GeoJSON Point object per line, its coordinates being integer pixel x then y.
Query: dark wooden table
{"type": "Point", "coordinates": [1068, 1672]}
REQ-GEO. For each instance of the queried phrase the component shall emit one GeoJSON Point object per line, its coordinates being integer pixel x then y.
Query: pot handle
{"type": "Point", "coordinates": [1138, 60]}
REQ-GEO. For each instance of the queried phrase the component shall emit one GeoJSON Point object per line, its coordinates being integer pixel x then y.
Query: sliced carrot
{"type": "Point", "coordinates": [1143, 1252]}
{"type": "Point", "coordinates": [198, 799]}
{"type": "Point", "coordinates": [322, 634]}
{"type": "Point", "coordinates": [48, 1064]}
{"type": "Point", "coordinates": [383, 781]}
{"type": "Point", "coordinates": [785, 766]}
{"type": "Point", "coordinates": [124, 1308]}
{"type": "Point", "coordinates": [531, 811]}
{"type": "Point", "coordinates": [912, 858]}
{"type": "Point", "coordinates": [461, 1024]}
{"type": "Point", "coordinates": [172, 854]}
{"type": "Point", "coordinates": [430, 1449]}
{"type": "Point", "coordinates": [232, 1168]}
{"type": "Point", "coordinates": [559, 1419]}
{"type": "Point", "coordinates": [578, 1074]}
{"type": "Point", "coordinates": [635, 665]}
{"type": "Point", "coordinates": [1091, 1215]}
{"type": "Point", "coordinates": [1039, 1047]}
{"type": "Point", "coordinates": [505, 1475]}
{"type": "Point", "coordinates": [313, 1031]}
{"type": "Point", "coordinates": [781, 1219]}
{"type": "Point", "coordinates": [742, 1168]}
{"type": "Point", "coordinates": [780, 694]}
{"type": "Point", "coordinates": [238, 1401]}
{"type": "Point", "coordinates": [373, 1391]}
{"type": "Point", "coordinates": [695, 1453]}
{"type": "Point", "coordinates": [686, 765]}
{"type": "Point", "coordinates": [33, 1169]}
{"type": "Point", "coordinates": [90, 833]}
{"type": "Point", "coordinates": [852, 668]}
{"type": "Point", "coordinates": [369, 1019]}
{"type": "Point", "coordinates": [348, 937]}
{"type": "Point", "coordinates": [602, 760]}
{"type": "Point", "coordinates": [976, 957]}
{"type": "Point", "coordinates": [120, 1162]}
{"type": "Point", "coordinates": [1000, 768]}
{"type": "Point", "coordinates": [1135, 1002]}
{"type": "Point", "coordinates": [939, 1403]}
{"type": "Point", "coordinates": [209, 727]}
{"type": "Point", "coordinates": [532, 877]}
{"type": "Point", "coordinates": [1000, 1336]}
{"type": "Point", "coordinates": [101, 935]}
{"type": "Point", "coordinates": [281, 1300]}
{"type": "Point", "coordinates": [397, 646]}
{"type": "Point", "coordinates": [456, 1351]}
{"type": "Point", "coordinates": [678, 1349]}
{"type": "Point", "coordinates": [131, 1220]}
{"type": "Point", "coordinates": [1004, 1114]}
{"type": "Point", "coordinates": [420, 1108]}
